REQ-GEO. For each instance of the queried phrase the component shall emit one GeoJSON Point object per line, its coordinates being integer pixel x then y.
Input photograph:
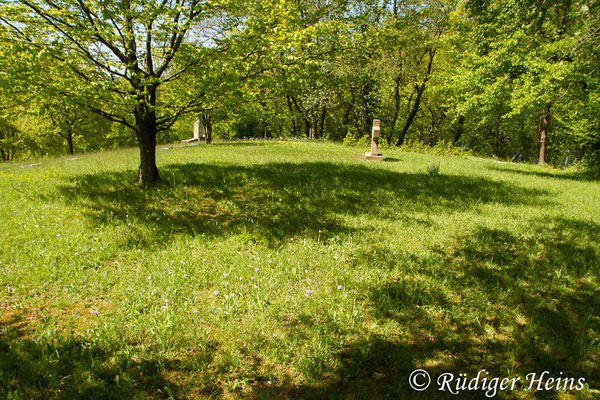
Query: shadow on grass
{"type": "Point", "coordinates": [556, 174]}
{"type": "Point", "coordinates": [510, 304]}
{"type": "Point", "coordinates": [76, 368]}
{"type": "Point", "coordinates": [273, 202]}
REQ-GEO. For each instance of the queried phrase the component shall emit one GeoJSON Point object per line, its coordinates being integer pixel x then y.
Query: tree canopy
{"type": "Point", "coordinates": [513, 79]}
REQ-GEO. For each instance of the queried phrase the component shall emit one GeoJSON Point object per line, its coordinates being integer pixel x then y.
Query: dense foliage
{"type": "Point", "coordinates": [514, 79]}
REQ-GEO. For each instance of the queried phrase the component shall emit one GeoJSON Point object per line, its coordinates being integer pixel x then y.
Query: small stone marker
{"type": "Point", "coordinates": [196, 137]}
{"type": "Point", "coordinates": [374, 154]}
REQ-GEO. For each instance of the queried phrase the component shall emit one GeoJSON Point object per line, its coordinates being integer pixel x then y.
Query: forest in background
{"type": "Point", "coordinates": [517, 79]}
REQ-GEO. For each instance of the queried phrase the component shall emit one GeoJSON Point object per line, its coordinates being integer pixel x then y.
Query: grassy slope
{"type": "Point", "coordinates": [201, 283]}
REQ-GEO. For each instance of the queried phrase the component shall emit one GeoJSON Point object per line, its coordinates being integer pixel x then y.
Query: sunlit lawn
{"type": "Point", "coordinates": [292, 270]}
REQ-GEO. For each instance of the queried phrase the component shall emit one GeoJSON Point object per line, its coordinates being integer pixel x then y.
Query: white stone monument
{"type": "Point", "coordinates": [196, 137]}
{"type": "Point", "coordinates": [374, 154]}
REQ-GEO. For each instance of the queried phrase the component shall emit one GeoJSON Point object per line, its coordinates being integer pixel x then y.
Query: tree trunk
{"type": "Point", "coordinates": [207, 125]}
{"type": "Point", "coordinates": [545, 126]}
{"type": "Point", "coordinates": [293, 117]}
{"type": "Point", "coordinates": [70, 142]}
{"type": "Point", "coordinates": [145, 126]}
{"type": "Point", "coordinates": [417, 103]}
{"type": "Point", "coordinates": [307, 126]}
{"type": "Point", "coordinates": [367, 122]}
{"type": "Point", "coordinates": [322, 121]}
{"type": "Point", "coordinates": [459, 130]}
{"type": "Point", "coordinates": [411, 116]}
{"type": "Point", "coordinates": [435, 122]}
{"type": "Point", "coordinates": [397, 83]}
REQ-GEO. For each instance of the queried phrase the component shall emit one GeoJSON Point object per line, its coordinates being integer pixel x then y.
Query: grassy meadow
{"type": "Point", "coordinates": [275, 270]}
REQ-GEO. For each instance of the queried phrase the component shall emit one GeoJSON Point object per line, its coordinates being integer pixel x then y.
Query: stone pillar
{"type": "Point", "coordinates": [196, 137]}
{"type": "Point", "coordinates": [197, 129]}
{"type": "Point", "coordinates": [375, 133]}
{"type": "Point", "coordinates": [375, 137]}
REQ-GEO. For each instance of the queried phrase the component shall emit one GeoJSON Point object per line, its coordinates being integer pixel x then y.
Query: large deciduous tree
{"type": "Point", "coordinates": [115, 57]}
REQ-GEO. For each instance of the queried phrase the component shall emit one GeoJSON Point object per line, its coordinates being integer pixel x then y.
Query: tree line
{"type": "Point", "coordinates": [514, 79]}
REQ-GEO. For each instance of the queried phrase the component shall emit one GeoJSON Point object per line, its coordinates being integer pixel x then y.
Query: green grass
{"type": "Point", "coordinates": [201, 284]}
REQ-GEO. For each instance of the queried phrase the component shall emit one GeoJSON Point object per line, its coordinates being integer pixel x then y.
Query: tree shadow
{"type": "Point", "coordinates": [510, 304]}
{"type": "Point", "coordinates": [273, 202]}
{"type": "Point", "coordinates": [557, 174]}
{"type": "Point", "coordinates": [550, 276]}
{"type": "Point", "coordinates": [80, 368]}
